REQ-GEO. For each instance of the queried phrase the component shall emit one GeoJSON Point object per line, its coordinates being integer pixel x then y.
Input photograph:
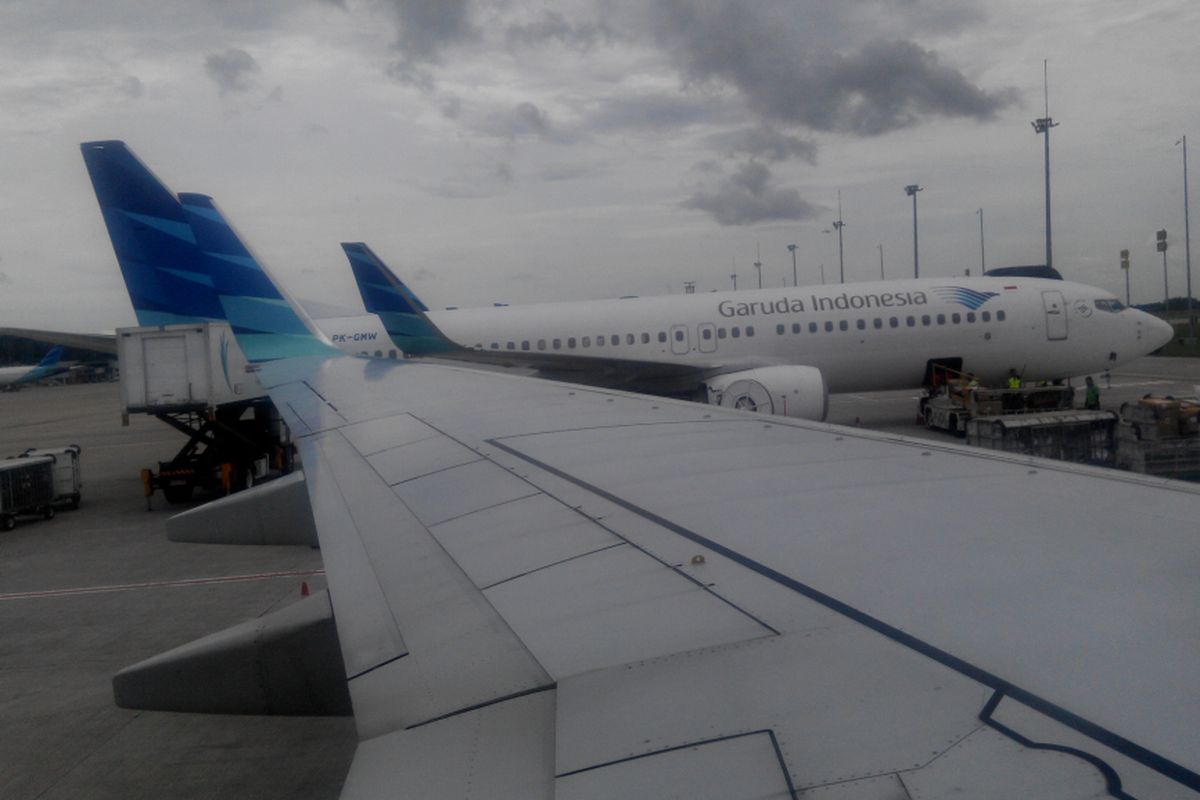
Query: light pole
{"type": "Point", "coordinates": [982, 262]}
{"type": "Point", "coordinates": [822, 273]}
{"type": "Point", "coordinates": [792, 248]}
{"type": "Point", "coordinates": [1187, 241]}
{"type": "Point", "coordinates": [911, 190]}
{"type": "Point", "coordinates": [758, 264]}
{"type": "Point", "coordinates": [1161, 246]}
{"type": "Point", "coordinates": [1125, 269]}
{"type": "Point", "coordinates": [880, 246]}
{"type": "Point", "coordinates": [1043, 126]}
{"type": "Point", "coordinates": [839, 225]}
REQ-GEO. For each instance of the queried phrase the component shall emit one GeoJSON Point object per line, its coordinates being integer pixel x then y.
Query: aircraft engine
{"type": "Point", "coordinates": [786, 390]}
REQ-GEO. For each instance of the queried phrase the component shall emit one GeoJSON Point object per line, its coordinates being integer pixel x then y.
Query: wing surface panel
{"type": "Point", "coordinates": [1053, 590]}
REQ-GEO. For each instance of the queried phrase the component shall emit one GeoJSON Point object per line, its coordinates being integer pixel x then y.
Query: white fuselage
{"type": "Point", "coordinates": [862, 336]}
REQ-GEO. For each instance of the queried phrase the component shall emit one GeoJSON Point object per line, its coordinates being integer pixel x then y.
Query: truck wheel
{"type": "Point", "coordinates": [7, 522]}
{"type": "Point", "coordinates": [178, 493]}
{"type": "Point", "coordinates": [76, 500]}
{"type": "Point", "coordinates": [48, 512]}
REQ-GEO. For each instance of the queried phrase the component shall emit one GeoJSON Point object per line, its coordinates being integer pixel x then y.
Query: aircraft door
{"type": "Point", "coordinates": [1056, 314]}
{"type": "Point", "coordinates": [706, 337]}
{"type": "Point", "coordinates": [680, 345]}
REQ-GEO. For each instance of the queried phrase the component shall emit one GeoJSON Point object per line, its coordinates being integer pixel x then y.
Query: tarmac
{"type": "Point", "coordinates": [94, 590]}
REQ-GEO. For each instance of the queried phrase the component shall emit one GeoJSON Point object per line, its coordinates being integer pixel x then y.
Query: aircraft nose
{"type": "Point", "coordinates": [1158, 331]}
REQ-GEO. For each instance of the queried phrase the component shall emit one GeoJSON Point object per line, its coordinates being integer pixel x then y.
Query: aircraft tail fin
{"type": "Point", "coordinates": [154, 244]}
{"type": "Point", "coordinates": [402, 312]}
{"type": "Point", "coordinates": [52, 357]}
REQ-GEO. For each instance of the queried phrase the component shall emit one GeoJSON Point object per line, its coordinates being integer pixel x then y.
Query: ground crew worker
{"type": "Point", "coordinates": [1091, 399]}
{"type": "Point", "coordinates": [1014, 380]}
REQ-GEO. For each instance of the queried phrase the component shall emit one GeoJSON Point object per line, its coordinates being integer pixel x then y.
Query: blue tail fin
{"type": "Point", "coordinates": [51, 358]}
{"type": "Point", "coordinates": [155, 247]}
{"type": "Point", "coordinates": [402, 313]}
{"type": "Point", "coordinates": [183, 262]}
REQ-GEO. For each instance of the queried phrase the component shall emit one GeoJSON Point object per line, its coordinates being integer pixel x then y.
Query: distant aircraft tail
{"type": "Point", "coordinates": [183, 262]}
{"type": "Point", "coordinates": [156, 249]}
{"type": "Point", "coordinates": [51, 358]}
{"type": "Point", "coordinates": [402, 313]}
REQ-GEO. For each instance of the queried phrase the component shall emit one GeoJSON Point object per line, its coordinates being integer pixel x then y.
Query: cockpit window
{"type": "Point", "coordinates": [1111, 304]}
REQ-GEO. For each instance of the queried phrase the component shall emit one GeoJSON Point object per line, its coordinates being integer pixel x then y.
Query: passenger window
{"type": "Point", "coordinates": [749, 330]}
{"type": "Point", "coordinates": [511, 345]}
{"type": "Point", "coordinates": [828, 326]}
{"type": "Point", "coordinates": [557, 344]}
{"type": "Point", "coordinates": [941, 319]}
{"type": "Point", "coordinates": [525, 345]}
{"type": "Point", "coordinates": [379, 354]}
{"type": "Point", "coordinates": [571, 342]}
{"type": "Point", "coordinates": [735, 331]}
{"type": "Point", "coordinates": [586, 341]}
{"type": "Point", "coordinates": [955, 318]}
{"type": "Point", "coordinates": [987, 316]}
{"type": "Point", "coordinates": [878, 323]}
{"type": "Point", "coordinates": [779, 329]}
{"type": "Point", "coordinates": [861, 324]}
{"type": "Point", "coordinates": [970, 316]}
{"type": "Point", "coordinates": [894, 322]}
{"type": "Point", "coordinates": [615, 339]}
{"type": "Point", "coordinates": [679, 336]}
{"type": "Point", "coordinates": [1000, 316]}
{"type": "Point", "coordinates": [662, 337]}
{"type": "Point", "coordinates": [541, 344]}
{"type": "Point", "coordinates": [495, 345]}
{"type": "Point", "coordinates": [645, 338]}
{"type": "Point", "coordinates": [925, 319]}
{"type": "Point", "coordinates": [910, 321]}
{"type": "Point", "coordinates": [843, 325]}
{"type": "Point", "coordinates": [599, 341]}
{"type": "Point", "coordinates": [795, 327]}
{"type": "Point", "coordinates": [706, 334]}
{"type": "Point", "coordinates": [629, 338]}
{"type": "Point", "coordinates": [812, 327]}
{"type": "Point", "coordinates": [720, 333]}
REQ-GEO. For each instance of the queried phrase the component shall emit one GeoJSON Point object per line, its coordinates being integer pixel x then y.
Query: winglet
{"type": "Point", "coordinates": [155, 246]}
{"type": "Point", "coordinates": [403, 314]}
{"type": "Point", "coordinates": [267, 322]}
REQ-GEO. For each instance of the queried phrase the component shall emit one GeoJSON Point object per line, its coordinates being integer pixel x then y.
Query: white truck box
{"type": "Point", "coordinates": [185, 367]}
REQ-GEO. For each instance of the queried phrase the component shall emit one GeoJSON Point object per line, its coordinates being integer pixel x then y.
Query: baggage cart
{"type": "Point", "coordinates": [26, 488]}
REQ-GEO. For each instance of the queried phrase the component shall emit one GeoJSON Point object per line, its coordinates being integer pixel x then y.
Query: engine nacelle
{"type": "Point", "coordinates": [786, 390]}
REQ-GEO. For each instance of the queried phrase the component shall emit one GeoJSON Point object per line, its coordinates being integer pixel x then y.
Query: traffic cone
{"type": "Point", "coordinates": [304, 589]}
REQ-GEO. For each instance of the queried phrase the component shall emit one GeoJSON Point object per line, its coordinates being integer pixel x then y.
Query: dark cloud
{"type": "Point", "coordinates": [553, 27]}
{"type": "Point", "coordinates": [747, 197]}
{"type": "Point", "coordinates": [765, 52]}
{"type": "Point", "coordinates": [658, 111]}
{"type": "Point", "coordinates": [766, 142]}
{"type": "Point", "coordinates": [424, 28]}
{"type": "Point", "coordinates": [233, 71]}
{"type": "Point", "coordinates": [132, 87]}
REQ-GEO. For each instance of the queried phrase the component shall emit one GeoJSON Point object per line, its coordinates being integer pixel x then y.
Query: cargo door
{"type": "Point", "coordinates": [1056, 314]}
{"type": "Point", "coordinates": [679, 340]}
{"type": "Point", "coordinates": [166, 364]}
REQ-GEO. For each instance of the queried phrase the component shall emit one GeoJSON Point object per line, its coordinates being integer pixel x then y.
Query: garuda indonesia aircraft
{"type": "Point", "coordinates": [782, 350]}
{"type": "Point", "coordinates": [48, 366]}
{"type": "Point", "coordinates": [779, 351]}
{"type": "Point", "coordinates": [543, 590]}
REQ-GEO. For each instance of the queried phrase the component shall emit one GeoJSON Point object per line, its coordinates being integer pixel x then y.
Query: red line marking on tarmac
{"type": "Point", "coordinates": [125, 587]}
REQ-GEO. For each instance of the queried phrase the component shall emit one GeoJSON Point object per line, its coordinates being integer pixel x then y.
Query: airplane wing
{"type": "Point", "coordinates": [549, 591]}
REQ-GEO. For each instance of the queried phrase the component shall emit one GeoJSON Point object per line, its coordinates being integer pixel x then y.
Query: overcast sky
{"type": "Point", "coordinates": [520, 151]}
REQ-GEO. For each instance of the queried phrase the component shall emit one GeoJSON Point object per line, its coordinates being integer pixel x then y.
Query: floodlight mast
{"type": "Point", "coordinates": [1043, 126]}
{"type": "Point", "coordinates": [911, 190]}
